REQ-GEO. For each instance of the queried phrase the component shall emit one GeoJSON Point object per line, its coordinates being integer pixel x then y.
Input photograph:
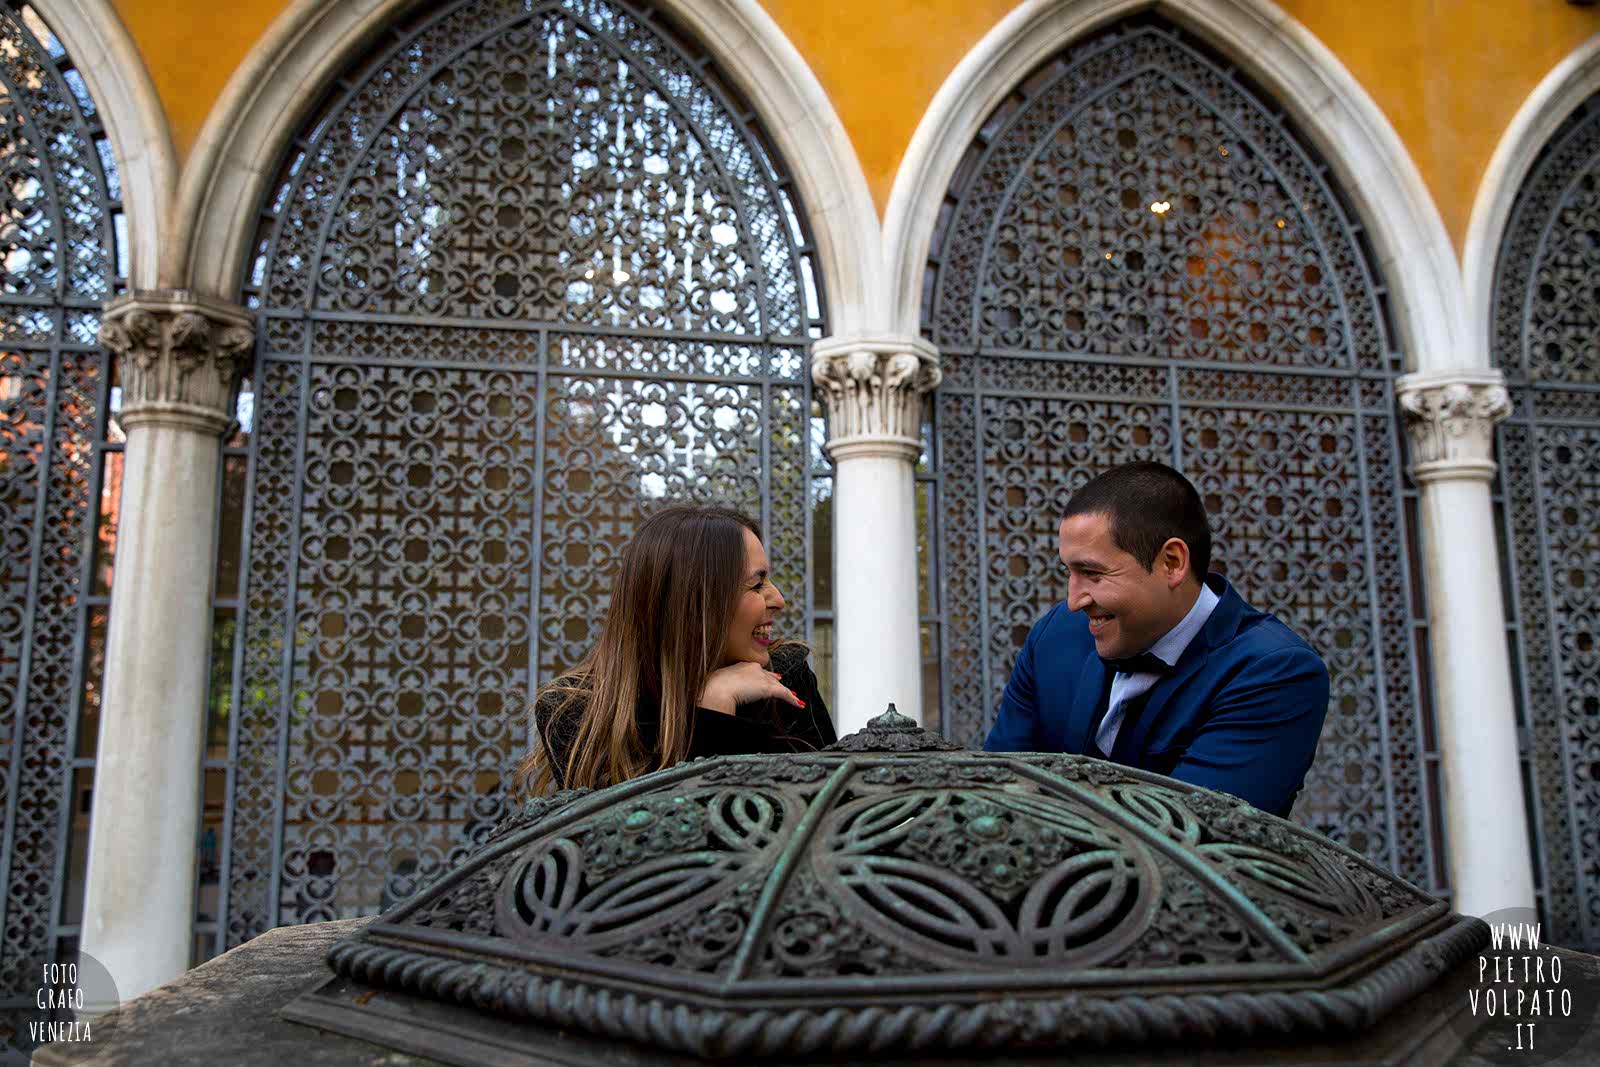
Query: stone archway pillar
{"type": "Point", "coordinates": [1450, 418]}
{"type": "Point", "coordinates": [873, 387]}
{"type": "Point", "coordinates": [179, 358]}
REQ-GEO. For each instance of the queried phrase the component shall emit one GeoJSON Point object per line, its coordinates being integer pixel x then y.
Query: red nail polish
{"type": "Point", "coordinates": [802, 702]}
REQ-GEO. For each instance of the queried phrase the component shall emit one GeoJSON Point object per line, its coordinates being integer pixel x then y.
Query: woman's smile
{"type": "Point", "coordinates": [750, 633]}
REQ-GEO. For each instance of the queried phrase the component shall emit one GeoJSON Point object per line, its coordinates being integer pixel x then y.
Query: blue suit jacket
{"type": "Point", "coordinates": [1241, 710]}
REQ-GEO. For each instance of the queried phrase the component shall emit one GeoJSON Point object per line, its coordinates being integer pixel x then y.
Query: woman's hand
{"type": "Point", "coordinates": [743, 683]}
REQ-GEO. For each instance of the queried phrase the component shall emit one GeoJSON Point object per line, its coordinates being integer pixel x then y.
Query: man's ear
{"type": "Point", "coordinates": [1176, 561]}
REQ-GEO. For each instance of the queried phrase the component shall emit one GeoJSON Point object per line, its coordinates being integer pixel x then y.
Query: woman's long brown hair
{"type": "Point", "coordinates": [674, 598]}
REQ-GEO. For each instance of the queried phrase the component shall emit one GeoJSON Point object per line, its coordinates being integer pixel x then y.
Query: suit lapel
{"type": "Point", "coordinates": [1131, 742]}
{"type": "Point", "coordinates": [1218, 630]}
{"type": "Point", "coordinates": [1085, 702]}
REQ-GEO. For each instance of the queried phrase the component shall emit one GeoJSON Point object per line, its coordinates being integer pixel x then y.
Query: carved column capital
{"type": "Point", "coordinates": [179, 356]}
{"type": "Point", "coordinates": [873, 387]}
{"type": "Point", "coordinates": [1450, 418]}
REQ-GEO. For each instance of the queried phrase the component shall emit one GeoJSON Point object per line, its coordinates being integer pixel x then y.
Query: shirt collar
{"type": "Point", "coordinates": [1170, 647]}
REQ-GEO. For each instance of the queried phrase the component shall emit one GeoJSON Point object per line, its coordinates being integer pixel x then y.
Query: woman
{"type": "Point", "coordinates": [686, 664]}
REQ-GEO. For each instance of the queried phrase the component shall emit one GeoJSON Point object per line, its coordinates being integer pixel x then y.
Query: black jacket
{"type": "Point", "coordinates": [762, 726]}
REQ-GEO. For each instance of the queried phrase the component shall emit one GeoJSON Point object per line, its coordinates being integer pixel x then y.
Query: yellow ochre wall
{"type": "Point", "coordinates": [1449, 74]}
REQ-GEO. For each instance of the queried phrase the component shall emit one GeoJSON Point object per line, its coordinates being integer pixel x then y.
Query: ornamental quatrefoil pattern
{"type": "Point", "coordinates": [1142, 260]}
{"type": "Point", "coordinates": [60, 462]}
{"type": "Point", "coordinates": [532, 270]}
{"type": "Point", "coordinates": [1546, 321]}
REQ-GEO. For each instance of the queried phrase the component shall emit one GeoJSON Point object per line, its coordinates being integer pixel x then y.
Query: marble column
{"type": "Point", "coordinates": [873, 388]}
{"type": "Point", "coordinates": [179, 358]}
{"type": "Point", "coordinates": [1450, 418]}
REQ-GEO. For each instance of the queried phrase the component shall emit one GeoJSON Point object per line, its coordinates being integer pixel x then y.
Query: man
{"type": "Point", "coordinates": [1150, 666]}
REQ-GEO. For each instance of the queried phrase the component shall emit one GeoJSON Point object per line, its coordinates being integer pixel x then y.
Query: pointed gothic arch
{"type": "Point", "coordinates": [1326, 103]}
{"type": "Point", "coordinates": [269, 95]}
{"type": "Point", "coordinates": [1558, 94]}
{"type": "Point", "coordinates": [130, 111]}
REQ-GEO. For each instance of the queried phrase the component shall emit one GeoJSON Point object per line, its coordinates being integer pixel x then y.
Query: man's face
{"type": "Point", "coordinates": [1129, 608]}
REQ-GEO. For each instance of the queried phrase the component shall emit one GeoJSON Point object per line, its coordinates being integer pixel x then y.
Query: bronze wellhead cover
{"type": "Point", "coordinates": [897, 895]}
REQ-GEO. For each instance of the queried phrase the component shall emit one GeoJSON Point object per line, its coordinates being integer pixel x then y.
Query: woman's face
{"type": "Point", "coordinates": [759, 600]}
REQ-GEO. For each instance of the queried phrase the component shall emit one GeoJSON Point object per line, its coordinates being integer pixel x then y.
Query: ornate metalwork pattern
{"type": "Point", "coordinates": [1141, 261]}
{"type": "Point", "coordinates": [1546, 318]}
{"type": "Point", "coordinates": [58, 263]}
{"type": "Point", "coordinates": [531, 272]}
{"type": "Point", "coordinates": [732, 908]}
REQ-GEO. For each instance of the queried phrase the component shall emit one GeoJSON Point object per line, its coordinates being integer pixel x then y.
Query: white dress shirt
{"type": "Point", "coordinates": [1170, 646]}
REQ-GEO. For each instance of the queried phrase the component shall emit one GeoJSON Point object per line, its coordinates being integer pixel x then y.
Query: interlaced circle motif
{"type": "Point", "coordinates": [1143, 261]}
{"type": "Point", "coordinates": [59, 260]}
{"type": "Point", "coordinates": [531, 272]}
{"type": "Point", "coordinates": [1546, 320]}
{"type": "Point", "coordinates": [945, 873]}
{"type": "Point", "coordinates": [605, 889]}
{"type": "Point", "coordinates": [873, 897]}
{"type": "Point", "coordinates": [963, 863]}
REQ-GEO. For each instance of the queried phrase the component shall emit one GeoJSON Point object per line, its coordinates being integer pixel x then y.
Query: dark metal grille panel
{"type": "Point", "coordinates": [1140, 260]}
{"type": "Point", "coordinates": [1546, 318]}
{"type": "Point", "coordinates": [527, 274]}
{"type": "Point", "coordinates": [59, 217]}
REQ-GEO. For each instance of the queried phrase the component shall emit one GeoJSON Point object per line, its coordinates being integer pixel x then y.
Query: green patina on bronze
{"type": "Point", "coordinates": [898, 894]}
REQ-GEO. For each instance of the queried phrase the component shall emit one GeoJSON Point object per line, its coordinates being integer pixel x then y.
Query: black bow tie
{"type": "Point", "coordinates": [1143, 663]}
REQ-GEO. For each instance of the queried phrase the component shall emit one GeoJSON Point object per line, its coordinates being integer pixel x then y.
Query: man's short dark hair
{"type": "Point", "coordinates": [1147, 505]}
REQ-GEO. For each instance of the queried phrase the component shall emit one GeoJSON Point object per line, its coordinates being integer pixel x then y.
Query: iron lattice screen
{"type": "Point", "coordinates": [1546, 319]}
{"type": "Point", "coordinates": [1140, 260]}
{"type": "Point", "coordinates": [530, 270]}
{"type": "Point", "coordinates": [60, 461]}
{"type": "Point", "coordinates": [60, 469]}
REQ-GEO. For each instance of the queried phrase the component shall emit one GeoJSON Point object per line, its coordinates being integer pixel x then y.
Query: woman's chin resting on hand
{"type": "Point", "coordinates": [654, 691]}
